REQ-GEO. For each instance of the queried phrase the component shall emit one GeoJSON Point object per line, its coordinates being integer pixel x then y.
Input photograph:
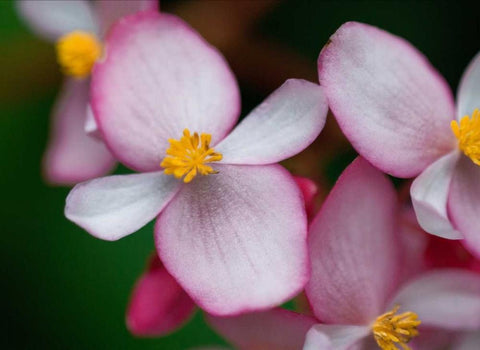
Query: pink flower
{"type": "Point", "coordinates": [72, 155]}
{"type": "Point", "coordinates": [398, 113]}
{"type": "Point", "coordinates": [356, 289]}
{"type": "Point", "coordinates": [233, 232]}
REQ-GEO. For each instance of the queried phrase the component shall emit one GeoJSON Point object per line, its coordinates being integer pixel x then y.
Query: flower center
{"type": "Point", "coordinates": [188, 156]}
{"type": "Point", "coordinates": [77, 52]}
{"type": "Point", "coordinates": [468, 135]}
{"type": "Point", "coordinates": [390, 329]}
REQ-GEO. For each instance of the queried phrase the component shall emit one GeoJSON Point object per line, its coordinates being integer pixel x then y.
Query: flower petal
{"type": "Point", "coordinates": [468, 341]}
{"type": "Point", "coordinates": [392, 105]}
{"type": "Point", "coordinates": [445, 298]}
{"type": "Point", "coordinates": [158, 305]}
{"type": "Point", "coordinates": [353, 248]}
{"type": "Point", "coordinates": [108, 11]}
{"type": "Point", "coordinates": [464, 202]}
{"type": "Point", "coordinates": [72, 156]}
{"type": "Point", "coordinates": [276, 329]}
{"type": "Point", "coordinates": [429, 194]}
{"type": "Point", "coordinates": [115, 206]}
{"type": "Point", "coordinates": [160, 77]}
{"type": "Point", "coordinates": [335, 337]}
{"type": "Point", "coordinates": [236, 241]}
{"type": "Point", "coordinates": [287, 122]}
{"type": "Point", "coordinates": [468, 96]}
{"type": "Point", "coordinates": [309, 190]}
{"type": "Point", "coordinates": [52, 18]}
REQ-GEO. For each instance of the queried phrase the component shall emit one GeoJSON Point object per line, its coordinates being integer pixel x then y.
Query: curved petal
{"type": "Point", "coordinates": [160, 77]}
{"type": "Point", "coordinates": [309, 190]}
{"type": "Point", "coordinates": [468, 95]}
{"type": "Point", "coordinates": [429, 194]}
{"type": "Point", "coordinates": [52, 18]}
{"type": "Point", "coordinates": [115, 206]}
{"type": "Point", "coordinates": [444, 298]}
{"type": "Point", "coordinates": [287, 122]}
{"type": "Point", "coordinates": [236, 241]}
{"type": "Point", "coordinates": [72, 156]}
{"type": "Point", "coordinates": [464, 202]}
{"type": "Point", "coordinates": [90, 126]}
{"type": "Point", "coordinates": [353, 248]}
{"type": "Point", "coordinates": [276, 329]}
{"type": "Point", "coordinates": [108, 11]}
{"type": "Point", "coordinates": [392, 105]}
{"type": "Point", "coordinates": [158, 305]}
{"type": "Point", "coordinates": [468, 341]}
{"type": "Point", "coordinates": [335, 337]}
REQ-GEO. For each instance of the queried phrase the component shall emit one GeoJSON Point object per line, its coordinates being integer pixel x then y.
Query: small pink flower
{"type": "Point", "coordinates": [72, 155]}
{"type": "Point", "coordinates": [398, 112]}
{"type": "Point", "coordinates": [233, 232]}
{"type": "Point", "coordinates": [356, 289]}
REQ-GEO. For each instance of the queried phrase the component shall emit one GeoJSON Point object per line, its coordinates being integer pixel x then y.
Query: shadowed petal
{"type": "Point", "coordinates": [335, 337]}
{"type": "Point", "coordinates": [392, 105]}
{"type": "Point", "coordinates": [468, 96]}
{"type": "Point", "coordinates": [236, 241]}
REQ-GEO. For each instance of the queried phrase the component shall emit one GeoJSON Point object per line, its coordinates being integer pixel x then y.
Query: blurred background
{"type": "Point", "coordinates": [62, 288]}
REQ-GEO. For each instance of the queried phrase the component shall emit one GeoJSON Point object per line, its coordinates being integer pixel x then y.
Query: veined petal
{"type": "Point", "coordinates": [115, 206]}
{"type": "Point", "coordinates": [160, 77]}
{"type": "Point", "coordinates": [158, 305]}
{"type": "Point", "coordinates": [335, 337]}
{"type": "Point", "coordinates": [353, 248]}
{"type": "Point", "coordinates": [236, 241]}
{"type": "Point", "coordinates": [468, 95]}
{"type": "Point", "coordinates": [287, 122]}
{"type": "Point", "coordinates": [72, 156]}
{"type": "Point", "coordinates": [429, 194]}
{"type": "Point", "coordinates": [52, 18]}
{"type": "Point", "coordinates": [276, 329]}
{"type": "Point", "coordinates": [108, 11]}
{"type": "Point", "coordinates": [464, 202]}
{"type": "Point", "coordinates": [445, 298]}
{"type": "Point", "coordinates": [392, 105]}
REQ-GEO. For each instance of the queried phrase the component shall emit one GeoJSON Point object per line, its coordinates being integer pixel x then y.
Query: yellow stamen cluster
{"type": "Point", "coordinates": [189, 155]}
{"type": "Point", "coordinates": [77, 52]}
{"type": "Point", "coordinates": [393, 332]}
{"type": "Point", "coordinates": [468, 135]}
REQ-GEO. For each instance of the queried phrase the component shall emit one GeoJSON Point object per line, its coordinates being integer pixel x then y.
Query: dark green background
{"type": "Point", "coordinates": [61, 288]}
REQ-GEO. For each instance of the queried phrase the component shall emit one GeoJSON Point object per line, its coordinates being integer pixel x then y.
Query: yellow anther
{"type": "Point", "coordinates": [393, 332]}
{"type": "Point", "coordinates": [468, 135]}
{"type": "Point", "coordinates": [188, 156]}
{"type": "Point", "coordinates": [77, 52]}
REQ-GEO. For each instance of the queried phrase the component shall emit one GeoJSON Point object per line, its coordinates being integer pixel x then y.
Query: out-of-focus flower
{"type": "Point", "coordinates": [397, 111]}
{"type": "Point", "coordinates": [233, 226]}
{"type": "Point", "coordinates": [356, 289]}
{"type": "Point", "coordinates": [159, 305]}
{"type": "Point", "coordinates": [78, 27]}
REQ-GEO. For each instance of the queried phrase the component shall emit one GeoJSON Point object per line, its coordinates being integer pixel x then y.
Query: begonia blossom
{"type": "Point", "coordinates": [357, 292]}
{"type": "Point", "coordinates": [232, 229]}
{"type": "Point", "coordinates": [398, 112]}
{"type": "Point", "coordinates": [77, 27]}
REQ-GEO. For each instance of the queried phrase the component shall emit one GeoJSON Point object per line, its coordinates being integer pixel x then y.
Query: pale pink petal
{"type": "Point", "coordinates": [353, 248]}
{"type": "Point", "coordinates": [160, 77]}
{"type": "Point", "coordinates": [468, 341]}
{"type": "Point", "coordinates": [468, 96]}
{"type": "Point", "coordinates": [108, 11]}
{"type": "Point", "coordinates": [464, 202]}
{"type": "Point", "coordinates": [445, 298]}
{"type": "Point", "coordinates": [91, 127]}
{"type": "Point", "coordinates": [287, 122]}
{"type": "Point", "coordinates": [158, 305]}
{"type": "Point", "coordinates": [429, 194]}
{"type": "Point", "coordinates": [335, 337]}
{"type": "Point", "coordinates": [276, 329]}
{"type": "Point", "coordinates": [392, 105]}
{"type": "Point", "coordinates": [115, 206]}
{"type": "Point", "coordinates": [52, 18]}
{"type": "Point", "coordinates": [309, 190]}
{"type": "Point", "coordinates": [72, 156]}
{"type": "Point", "coordinates": [236, 241]}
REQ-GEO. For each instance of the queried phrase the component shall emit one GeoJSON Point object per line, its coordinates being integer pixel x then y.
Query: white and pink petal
{"type": "Point", "coordinates": [335, 337]}
{"type": "Point", "coordinates": [468, 95]}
